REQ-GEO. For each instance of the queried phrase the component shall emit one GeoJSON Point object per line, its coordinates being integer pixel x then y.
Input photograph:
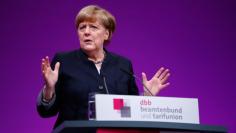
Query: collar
{"type": "Point", "coordinates": [84, 57]}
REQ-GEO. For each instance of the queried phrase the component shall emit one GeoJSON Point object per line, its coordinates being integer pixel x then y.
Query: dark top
{"type": "Point", "coordinates": [78, 76]}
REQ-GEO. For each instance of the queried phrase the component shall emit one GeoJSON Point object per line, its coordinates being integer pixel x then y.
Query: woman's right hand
{"type": "Point", "coordinates": [50, 77]}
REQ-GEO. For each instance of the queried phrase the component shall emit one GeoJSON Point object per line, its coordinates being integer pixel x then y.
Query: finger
{"type": "Point", "coordinates": [144, 78]}
{"type": "Point", "coordinates": [165, 78]}
{"type": "Point", "coordinates": [57, 66]}
{"type": "Point", "coordinates": [144, 81]}
{"type": "Point", "coordinates": [159, 72]}
{"type": "Point", "coordinates": [43, 65]}
{"type": "Point", "coordinates": [47, 61]}
{"type": "Point", "coordinates": [165, 85]}
{"type": "Point", "coordinates": [163, 74]}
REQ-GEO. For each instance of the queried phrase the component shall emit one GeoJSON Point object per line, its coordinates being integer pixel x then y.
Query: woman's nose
{"type": "Point", "coordinates": [87, 31]}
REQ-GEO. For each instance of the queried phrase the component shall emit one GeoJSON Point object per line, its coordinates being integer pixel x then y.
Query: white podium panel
{"type": "Point", "coordinates": [146, 108]}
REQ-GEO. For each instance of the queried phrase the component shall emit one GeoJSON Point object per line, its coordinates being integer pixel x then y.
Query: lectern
{"type": "Point", "coordinates": [141, 114]}
{"type": "Point", "coordinates": [136, 126]}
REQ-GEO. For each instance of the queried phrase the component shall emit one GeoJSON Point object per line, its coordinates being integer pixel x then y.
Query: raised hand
{"type": "Point", "coordinates": [158, 81]}
{"type": "Point", "coordinates": [50, 77]}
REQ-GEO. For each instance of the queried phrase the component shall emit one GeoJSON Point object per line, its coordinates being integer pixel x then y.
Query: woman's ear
{"type": "Point", "coordinates": [106, 36]}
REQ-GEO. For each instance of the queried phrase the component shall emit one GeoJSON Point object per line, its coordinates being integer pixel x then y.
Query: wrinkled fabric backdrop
{"type": "Point", "coordinates": [193, 38]}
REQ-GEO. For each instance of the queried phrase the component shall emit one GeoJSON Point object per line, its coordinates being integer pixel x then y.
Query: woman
{"type": "Point", "coordinates": [73, 75]}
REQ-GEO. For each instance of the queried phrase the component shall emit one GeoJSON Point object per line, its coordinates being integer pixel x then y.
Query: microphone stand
{"type": "Point", "coordinates": [133, 75]}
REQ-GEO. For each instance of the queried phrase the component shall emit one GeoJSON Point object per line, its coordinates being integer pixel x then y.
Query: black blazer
{"type": "Point", "coordinates": [78, 76]}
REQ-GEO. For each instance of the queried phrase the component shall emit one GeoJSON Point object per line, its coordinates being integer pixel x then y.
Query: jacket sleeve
{"type": "Point", "coordinates": [40, 101]}
{"type": "Point", "coordinates": [51, 108]}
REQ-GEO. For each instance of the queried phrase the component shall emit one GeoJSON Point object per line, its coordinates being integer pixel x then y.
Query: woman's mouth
{"type": "Point", "coordinates": [87, 40]}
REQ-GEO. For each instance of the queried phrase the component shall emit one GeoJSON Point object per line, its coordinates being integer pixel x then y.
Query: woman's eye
{"type": "Point", "coordinates": [94, 27]}
{"type": "Point", "coordinates": [81, 27]}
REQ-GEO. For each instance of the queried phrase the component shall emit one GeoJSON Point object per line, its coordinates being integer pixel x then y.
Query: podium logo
{"type": "Point", "coordinates": [122, 106]}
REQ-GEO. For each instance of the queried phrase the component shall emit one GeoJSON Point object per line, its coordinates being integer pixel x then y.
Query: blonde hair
{"type": "Point", "coordinates": [93, 13]}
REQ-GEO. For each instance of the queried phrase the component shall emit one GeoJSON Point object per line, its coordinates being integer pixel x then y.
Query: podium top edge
{"type": "Point", "coordinates": [143, 125]}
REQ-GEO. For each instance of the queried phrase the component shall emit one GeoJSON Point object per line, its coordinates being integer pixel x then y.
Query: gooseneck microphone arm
{"type": "Point", "coordinates": [133, 75]}
{"type": "Point", "coordinates": [105, 84]}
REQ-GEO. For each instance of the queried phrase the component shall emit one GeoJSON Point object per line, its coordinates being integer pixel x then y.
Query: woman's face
{"type": "Point", "coordinates": [92, 35]}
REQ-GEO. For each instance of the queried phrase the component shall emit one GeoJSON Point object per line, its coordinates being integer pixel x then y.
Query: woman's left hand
{"type": "Point", "coordinates": [158, 81]}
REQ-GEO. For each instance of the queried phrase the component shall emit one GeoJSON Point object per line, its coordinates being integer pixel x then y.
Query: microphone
{"type": "Point", "coordinates": [105, 83]}
{"type": "Point", "coordinates": [136, 77]}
